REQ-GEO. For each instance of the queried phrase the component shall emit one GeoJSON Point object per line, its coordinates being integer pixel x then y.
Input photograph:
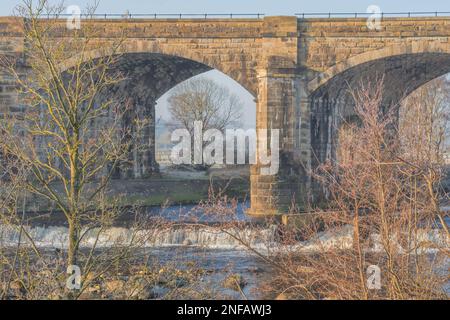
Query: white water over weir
{"type": "Point", "coordinates": [259, 238]}
{"type": "Point", "coordinates": [57, 237]}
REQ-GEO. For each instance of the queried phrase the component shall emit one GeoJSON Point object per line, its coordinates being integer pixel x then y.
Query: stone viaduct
{"type": "Point", "coordinates": [298, 70]}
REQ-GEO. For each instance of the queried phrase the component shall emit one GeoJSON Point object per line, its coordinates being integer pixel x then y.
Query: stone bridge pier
{"type": "Point", "coordinates": [277, 109]}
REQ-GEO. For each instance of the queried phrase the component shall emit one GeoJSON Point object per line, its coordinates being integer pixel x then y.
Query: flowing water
{"type": "Point", "coordinates": [192, 238]}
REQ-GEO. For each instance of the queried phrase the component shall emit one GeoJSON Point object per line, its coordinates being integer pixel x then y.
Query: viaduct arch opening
{"type": "Point", "coordinates": [332, 104]}
{"type": "Point", "coordinates": [147, 77]}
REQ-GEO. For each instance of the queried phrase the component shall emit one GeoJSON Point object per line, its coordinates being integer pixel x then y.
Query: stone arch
{"type": "Point", "coordinates": [244, 73]}
{"type": "Point", "coordinates": [414, 48]}
{"type": "Point", "coordinates": [405, 68]}
{"type": "Point", "coordinates": [150, 72]}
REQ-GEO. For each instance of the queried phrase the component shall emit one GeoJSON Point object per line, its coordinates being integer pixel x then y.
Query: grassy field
{"type": "Point", "coordinates": [162, 191]}
{"type": "Point", "coordinates": [171, 191]}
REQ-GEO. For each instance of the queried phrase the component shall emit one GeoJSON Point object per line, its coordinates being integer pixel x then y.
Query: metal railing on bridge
{"type": "Point", "coordinates": [367, 15]}
{"type": "Point", "coordinates": [128, 15]}
{"type": "Point", "coordinates": [305, 15]}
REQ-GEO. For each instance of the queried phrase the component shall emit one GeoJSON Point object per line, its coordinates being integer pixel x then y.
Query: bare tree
{"type": "Point", "coordinates": [385, 189]}
{"type": "Point", "coordinates": [424, 121]}
{"type": "Point", "coordinates": [424, 132]}
{"type": "Point", "coordinates": [204, 100]}
{"type": "Point", "coordinates": [61, 139]}
{"type": "Point", "coordinates": [383, 214]}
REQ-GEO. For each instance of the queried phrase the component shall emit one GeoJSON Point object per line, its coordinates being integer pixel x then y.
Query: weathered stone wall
{"type": "Point", "coordinates": [326, 42]}
{"type": "Point", "coordinates": [11, 45]}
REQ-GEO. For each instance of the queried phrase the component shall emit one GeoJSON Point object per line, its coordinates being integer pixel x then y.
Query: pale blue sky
{"type": "Point", "coordinates": [270, 7]}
